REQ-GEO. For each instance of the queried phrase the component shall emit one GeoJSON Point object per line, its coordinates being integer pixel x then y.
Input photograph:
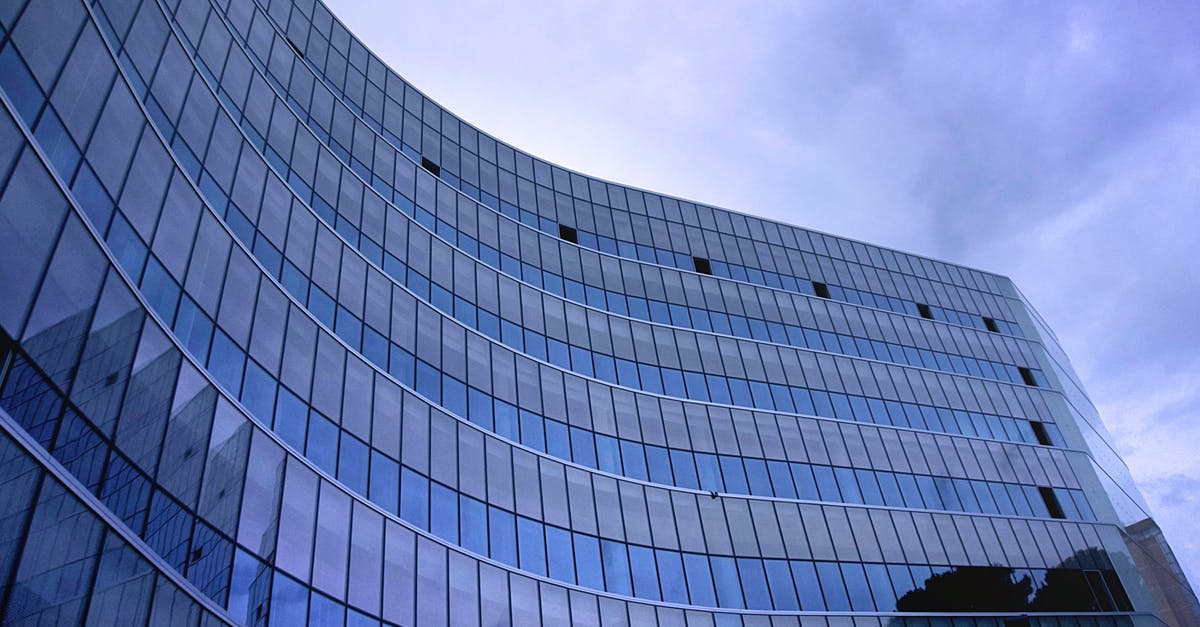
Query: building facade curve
{"type": "Point", "coordinates": [283, 341]}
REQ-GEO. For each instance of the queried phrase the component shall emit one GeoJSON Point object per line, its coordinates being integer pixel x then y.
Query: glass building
{"type": "Point", "coordinates": [283, 341]}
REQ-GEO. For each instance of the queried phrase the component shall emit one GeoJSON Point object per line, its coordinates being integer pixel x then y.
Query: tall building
{"type": "Point", "coordinates": [284, 341]}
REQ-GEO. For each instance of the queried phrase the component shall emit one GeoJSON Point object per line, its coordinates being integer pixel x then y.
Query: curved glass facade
{"type": "Point", "coordinates": [285, 342]}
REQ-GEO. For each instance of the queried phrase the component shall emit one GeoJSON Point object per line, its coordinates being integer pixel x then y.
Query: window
{"type": "Point", "coordinates": [295, 48]}
{"type": "Point", "coordinates": [703, 265]}
{"type": "Point", "coordinates": [1051, 501]}
{"type": "Point", "coordinates": [1027, 376]}
{"type": "Point", "coordinates": [568, 233]}
{"type": "Point", "coordinates": [820, 289]}
{"type": "Point", "coordinates": [431, 166]}
{"type": "Point", "coordinates": [990, 324]}
{"type": "Point", "coordinates": [924, 310]}
{"type": "Point", "coordinates": [1039, 432]}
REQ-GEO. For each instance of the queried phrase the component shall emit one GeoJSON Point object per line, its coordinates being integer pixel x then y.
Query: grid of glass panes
{"type": "Point", "coordinates": [72, 310]}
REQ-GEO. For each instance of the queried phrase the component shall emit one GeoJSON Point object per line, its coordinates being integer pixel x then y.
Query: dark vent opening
{"type": "Point", "coordinates": [295, 48]}
{"type": "Point", "coordinates": [1039, 432]}
{"type": "Point", "coordinates": [925, 311]}
{"type": "Point", "coordinates": [703, 266]}
{"type": "Point", "coordinates": [431, 166]}
{"type": "Point", "coordinates": [820, 289]}
{"type": "Point", "coordinates": [991, 325]}
{"type": "Point", "coordinates": [1051, 501]}
{"type": "Point", "coordinates": [1027, 376]}
{"type": "Point", "coordinates": [568, 233]}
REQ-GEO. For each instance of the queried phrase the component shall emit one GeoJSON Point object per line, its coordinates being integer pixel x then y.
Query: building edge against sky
{"type": "Point", "coordinates": [283, 341]}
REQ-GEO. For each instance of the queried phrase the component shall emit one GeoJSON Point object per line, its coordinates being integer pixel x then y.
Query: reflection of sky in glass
{"type": "Point", "coordinates": [1054, 144]}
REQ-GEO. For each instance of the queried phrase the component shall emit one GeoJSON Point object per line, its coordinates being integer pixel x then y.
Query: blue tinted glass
{"type": "Point", "coordinates": [616, 567]}
{"type": "Point", "coordinates": [352, 463]}
{"type": "Point", "coordinates": [645, 573]}
{"type": "Point", "coordinates": [806, 485]}
{"type": "Point", "coordinates": [670, 575]}
{"type": "Point", "coordinates": [608, 454]}
{"type": "Point", "coordinates": [846, 484]}
{"type": "Point", "coordinates": [757, 477]}
{"type": "Point", "coordinates": [966, 495]}
{"type": "Point", "coordinates": [699, 580]}
{"type": "Point", "coordinates": [697, 387]}
{"type": "Point", "coordinates": [832, 586]}
{"type": "Point", "coordinates": [291, 419]}
{"type": "Point", "coordinates": [429, 381]}
{"type": "Point", "coordinates": [734, 474]}
{"type": "Point", "coordinates": [583, 450]}
{"type": "Point", "coordinates": [443, 512]}
{"type": "Point", "coordinates": [651, 379]}
{"type": "Point", "coordinates": [869, 487]}
{"type": "Point", "coordinates": [502, 534]}
{"type": "Point", "coordinates": [454, 395]}
{"type": "Point", "coordinates": [258, 394]}
{"type": "Point", "coordinates": [532, 546]}
{"type": "Point", "coordinates": [587, 561]}
{"type": "Point", "coordinates": [289, 600]}
{"type": "Point", "coordinates": [226, 362]}
{"type": "Point", "coordinates": [929, 492]}
{"type": "Point", "coordinates": [414, 498]}
{"type": "Point", "coordinates": [684, 469]}
{"type": "Point", "coordinates": [781, 479]}
{"type": "Point", "coordinates": [889, 489]}
{"type": "Point", "coordinates": [709, 471]}
{"type": "Point", "coordinates": [322, 443]}
{"type": "Point", "coordinates": [779, 579]}
{"type": "Point", "coordinates": [505, 417]}
{"type": "Point", "coordinates": [659, 463]}
{"type": "Point", "coordinates": [634, 460]}
{"type": "Point", "coordinates": [532, 432]}
{"type": "Point", "coordinates": [739, 391]}
{"type": "Point", "coordinates": [807, 586]}
{"type": "Point", "coordinates": [803, 400]}
{"type": "Point", "coordinates": [605, 368]}
{"type": "Point", "coordinates": [725, 579]}
{"type": "Point", "coordinates": [856, 586]}
{"type": "Point", "coordinates": [826, 484]}
{"type": "Point", "coordinates": [910, 491]}
{"type": "Point", "coordinates": [627, 373]}
{"type": "Point", "coordinates": [754, 583]}
{"type": "Point", "coordinates": [480, 408]}
{"type": "Point", "coordinates": [560, 553]}
{"type": "Point", "coordinates": [385, 482]}
{"type": "Point", "coordinates": [673, 383]}
{"type": "Point", "coordinates": [718, 389]}
{"type": "Point", "coordinates": [881, 587]}
{"type": "Point", "coordinates": [902, 581]}
{"type": "Point", "coordinates": [557, 442]}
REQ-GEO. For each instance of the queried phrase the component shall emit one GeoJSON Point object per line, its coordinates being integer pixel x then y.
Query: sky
{"type": "Point", "coordinates": [1054, 143]}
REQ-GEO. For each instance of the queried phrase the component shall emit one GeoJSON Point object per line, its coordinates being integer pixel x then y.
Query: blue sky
{"type": "Point", "coordinates": [1056, 143]}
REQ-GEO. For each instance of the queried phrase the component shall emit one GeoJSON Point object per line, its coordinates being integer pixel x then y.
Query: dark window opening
{"type": "Point", "coordinates": [821, 289]}
{"type": "Point", "coordinates": [1027, 376]}
{"type": "Point", "coordinates": [568, 233]}
{"type": "Point", "coordinates": [295, 48]}
{"type": "Point", "coordinates": [991, 325]}
{"type": "Point", "coordinates": [1100, 592]}
{"type": "Point", "coordinates": [1039, 432]}
{"type": "Point", "coordinates": [925, 311]}
{"type": "Point", "coordinates": [431, 166]}
{"type": "Point", "coordinates": [703, 266]}
{"type": "Point", "coordinates": [1051, 501]}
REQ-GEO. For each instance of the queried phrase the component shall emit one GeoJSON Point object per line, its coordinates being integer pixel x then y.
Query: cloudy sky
{"type": "Point", "coordinates": [1056, 143]}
